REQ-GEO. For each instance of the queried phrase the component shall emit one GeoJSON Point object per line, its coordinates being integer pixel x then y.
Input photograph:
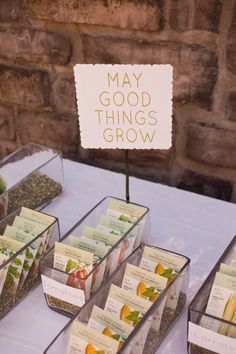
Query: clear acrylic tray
{"type": "Point", "coordinates": [11, 294]}
{"type": "Point", "coordinates": [137, 233]}
{"type": "Point", "coordinates": [34, 176]}
{"type": "Point", "coordinates": [153, 327]}
{"type": "Point", "coordinates": [202, 340]}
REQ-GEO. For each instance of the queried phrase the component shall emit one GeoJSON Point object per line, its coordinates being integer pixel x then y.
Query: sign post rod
{"type": "Point", "coordinates": [127, 174]}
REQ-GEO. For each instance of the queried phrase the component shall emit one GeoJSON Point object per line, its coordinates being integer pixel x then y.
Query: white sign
{"type": "Point", "coordinates": [210, 340]}
{"type": "Point", "coordinates": [63, 292]}
{"type": "Point", "coordinates": [124, 106]}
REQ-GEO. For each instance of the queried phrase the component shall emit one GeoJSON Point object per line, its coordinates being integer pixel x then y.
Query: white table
{"type": "Point", "coordinates": [196, 226]}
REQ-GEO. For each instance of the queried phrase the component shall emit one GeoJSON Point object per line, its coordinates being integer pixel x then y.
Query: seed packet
{"type": "Point", "coordinates": [126, 306]}
{"type": "Point", "coordinates": [167, 265]}
{"type": "Point", "coordinates": [85, 340]}
{"type": "Point", "coordinates": [16, 266]}
{"type": "Point", "coordinates": [76, 262]}
{"type": "Point", "coordinates": [5, 254]}
{"type": "Point", "coordinates": [40, 218]}
{"type": "Point", "coordinates": [143, 283]}
{"type": "Point", "coordinates": [109, 240]}
{"type": "Point", "coordinates": [129, 308]}
{"type": "Point", "coordinates": [129, 213]}
{"type": "Point", "coordinates": [112, 225]}
{"type": "Point", "coordinates": [33, 228]}
{"type": "Point", "coordinates": [227, 269]}
{"type": "Point", "coordinates": [221, 302]}
{"type": "Point", "coordinates": [31, 251]}
{"type": "Point", "coordinates": [233, 258]}
{"type": "Point", "coordinates": [99, 252]}
{"type": "Point", "coordinates": [112, 327]}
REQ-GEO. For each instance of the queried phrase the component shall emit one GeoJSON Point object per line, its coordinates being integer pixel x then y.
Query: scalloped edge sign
{"type": "Point", "coordinates": [124, 106]}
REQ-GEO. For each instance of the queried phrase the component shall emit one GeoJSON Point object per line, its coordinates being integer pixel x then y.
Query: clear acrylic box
{"type": "Point", "coordinates": [153, 327]}
{"type": "Point", "coordinates": [34, 175]}
{"type": "Point", "coordinates": [138, 232]}
{"type": "Point", "coordinates": [202, 340]}
{"type": "Point", "coordinates": [13, 293]}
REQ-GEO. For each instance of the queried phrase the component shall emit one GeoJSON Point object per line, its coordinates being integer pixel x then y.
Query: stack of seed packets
{"type": "Point", "coordinates": [88, 259]}
{"type": "Point", "coordinates": [25, 228]}
{"type": "Point", "coordinates": [125, 306]}
{"type": "Point", "coordinates": [222, 300]}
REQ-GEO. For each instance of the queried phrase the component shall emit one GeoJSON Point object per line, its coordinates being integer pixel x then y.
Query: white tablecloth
{"type": "Point", "coordinates": [196, 226]}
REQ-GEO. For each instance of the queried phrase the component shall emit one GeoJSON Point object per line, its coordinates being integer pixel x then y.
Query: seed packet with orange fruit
{"type": "Point", "coordinates": [99, 251]}
{"type": "Point", "coordinates": [143, 283]}
{"type": "Point", "coordinates": [76, 262]}
{"type": "Point", "coordinates": [112, 327]}
{"type": "Point", "coordinates": [85, 340]}
{"type": "Point", "coordinates": [167, 265]}
{"type": "Point", "coordinates": [126, 306]}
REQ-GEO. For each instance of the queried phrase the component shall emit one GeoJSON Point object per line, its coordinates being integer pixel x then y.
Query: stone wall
{"type": "Point", "coordinates": [41, 40]}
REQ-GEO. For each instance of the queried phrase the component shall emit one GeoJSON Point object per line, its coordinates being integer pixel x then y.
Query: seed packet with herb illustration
{"type": "Point", "coordinates": [126, 306]}
{"type": "Point", "coordinates": [5, 254]}
{"type": "Point", "coordinates": [143, 283]}
{"type": "Point", "coordinates": [103, 322]}
{"type": "Point", "coordinates": [33, 228]}
{"type": "Point", "coordinates": [221, 303]}
{"type": "Point", "coordinates": [99, 252]}
{"type": "Point", "coordinates": [40, 218]}
{"type": "Point", "coordinates": [76, 262]}
{"type": "Point", "coordinates": [31, 251]}
{"type": "Point", "coordinates": [167, 265]}
{"type": "Point", "coordinates": [15, 268]}
{"type": "Point", "coordinates": [129, 213]}
{"type": "Point", "coordinates": [109, 240]}
{"type": "Point", "coordinates": [85, 340]}
{"type": "Point", "coordinates": [109, 224]}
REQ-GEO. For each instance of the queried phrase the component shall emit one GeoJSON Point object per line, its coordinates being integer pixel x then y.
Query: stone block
{"type": "Point", "coordinates": [7, 123]}
{"type": "Point", "coordinates": [133, 14]}
{"type": "Point", "coordinates": [48, 129]}
{"type": "Point", "coordinates": [9, 10]}
{"type": "Point", "coordinates": [195, 66]}
{"type": "Point", "coordinates": [230, 45]}
{"type": "Point", "coordinates": [195, 15]}
{"type": "Point", "coordinates": [211, 144]}
{"type": "Point", "coordinates": [207, 185]}
{"type": "Point", "coordinates": [231, 106]}
{"type": "Point", "coordinates": [64, 95]}
{"type": "Point", "coordinates": [35, 46]}
{"type": "Point", "coordinates": [24, 87]}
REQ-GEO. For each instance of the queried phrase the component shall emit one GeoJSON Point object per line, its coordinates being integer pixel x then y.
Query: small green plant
{"type": "Point", "coordinates": [3, 184]}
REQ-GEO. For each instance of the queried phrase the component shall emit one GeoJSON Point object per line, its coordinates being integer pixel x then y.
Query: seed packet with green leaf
{"type": "Point", "coordinates": [227, 269]}
{"type": "Point", "coordinates": [15, 268]}
{"type": "Point", "coordinates": [129, 213]}
{"type": "Point", "coordinates": [167, 265]}
{"type": "Point", "coordinates": [109, 240]}
{"type": "Point", "coordinates": [99, 252]}
{"type": "Point", "coordinates": [85, 340]}
{"type": "Point", "coordinates": [143, 283]}
{"type": "Point", "coordinates": [126, 306]}
{"type": "Point", "coordinates": [31, 251]}
{"type": "Point", "coordinates": [103, 322]}
{"type": "Point", "coordinates": [75, 261]}
{"type": "Point", "coordinates": [112, 225]}
{"type": "Point", "coordinates": [42, 219]}
{"type": "Point", "coordinates": [5, 254]}
{"type": "Point", "coordinates": [33, 228]}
